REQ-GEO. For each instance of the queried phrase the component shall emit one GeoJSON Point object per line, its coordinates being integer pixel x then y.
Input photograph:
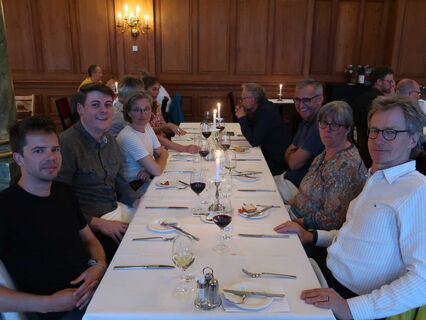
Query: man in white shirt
{"type": "Point", "coordinates": [376, 262]}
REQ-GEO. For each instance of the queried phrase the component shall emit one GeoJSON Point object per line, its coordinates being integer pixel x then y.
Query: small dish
{"type": "Point", "coordinates": [156, 225]}
{"type": "Point", "coordinates": [247, 178]}
{"type": "Point", "coordinates": [253, 303]}
{"type": "Point", "coordinates": [248, 216]}
{"type": "Point", "coordinates": [239, 149]}
{"type": "Point", "coordinates": [167, 183]}
{"type": "Point", "coordinates": [207, 219]}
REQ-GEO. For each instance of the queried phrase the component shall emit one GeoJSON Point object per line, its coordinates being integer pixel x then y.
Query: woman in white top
{"type": "Point", "coordinates": [142, 153]}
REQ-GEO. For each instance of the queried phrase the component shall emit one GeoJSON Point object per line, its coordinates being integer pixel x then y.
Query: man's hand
{"type": "Point", "coordinates": [192, 148]}
{"type": "Point", "coordinates": [300, 222]}
{"type": "Point", "coordinates": [327, 298]}
{"type": "Point", "coordinates": [240, 112]}
{"type": "Point", "coordinates": [143, 175]}
{"type": "Point", "coordinates": [176, 129]}
{"type": "Point", "coordinates": [113, 229]}
{"type": "Point", "coordinates": [90, 278]}
{"type": "Point", "coordinates": [63, 300]}
{"type": "Point", "coordinates": [293, 227]}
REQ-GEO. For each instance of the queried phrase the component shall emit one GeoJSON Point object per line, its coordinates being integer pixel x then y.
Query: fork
{"type": "Point", "coordinates": [259, 274]}
{"type": "Point", "coordinates": [173, 225]}
{"type": "Point", "coordinates": [154, 238]}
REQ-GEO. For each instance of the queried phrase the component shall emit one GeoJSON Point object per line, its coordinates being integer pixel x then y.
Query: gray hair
{"type": "Point", "coordinates": [310, 82]}
{"type": "Point", "coordinates": [129, 85]}
{"type": "Point", "coordinates": [415, 119]}
{"type": "Point", "coordinates": [255, 90]}
{"type": "Point", "coordinates": [340, 111]}
{"type": "Point", "coordinates": [131, 100]}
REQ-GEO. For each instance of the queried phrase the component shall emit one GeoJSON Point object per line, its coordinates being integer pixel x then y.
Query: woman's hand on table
{"type": "Point", "coordinates": [192, 148]}
{"type": "Point", "coordinates": [293, 227]}
{"type": "Point", "coordinates": [176, 129]}
{"type": "Point", "coordinates": [327, 298]}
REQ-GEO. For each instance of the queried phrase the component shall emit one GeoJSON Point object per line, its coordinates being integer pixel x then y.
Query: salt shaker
{"type": "Point", "coordinates": [202, 289]}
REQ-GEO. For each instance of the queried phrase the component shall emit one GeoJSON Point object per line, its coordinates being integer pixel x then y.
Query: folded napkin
{"type": "Point", "coordinates": [278, 305]}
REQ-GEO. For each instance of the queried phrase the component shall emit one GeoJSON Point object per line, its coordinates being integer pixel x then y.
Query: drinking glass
{"type": "Point", "coordinates": [204, 147]}
{"type": "Point", "coordinates": [205, 130]}
{"type": "Point", "coordinates": [198, 184]}
{"type": "Point", "coordinates": [220, 124]}
{"type": "Point", "coordinates": [222, 219]}
{"type": "Point", "coordinates": [183, 255]}
{"type": "Point", "coordinates": [225, 142]}
{"type": "Point", "coordinates": [230, 161]}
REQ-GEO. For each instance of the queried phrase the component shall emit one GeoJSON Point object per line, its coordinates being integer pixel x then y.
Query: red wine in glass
{"type": "Point", "coordinates": [206, 134]}
{"type": "Point", "coordinates": [197, 187]}
{"type": "Point", "coordinates": [222, 220]}
{"type": "Point", "coordinates": [203, 153]}
{"type": "Point", "coordinates": [221, 128]}
{"type": "Point", "coordinates": [225, 146]}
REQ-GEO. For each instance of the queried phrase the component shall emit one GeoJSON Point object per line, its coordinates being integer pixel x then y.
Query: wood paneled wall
{"type": "Point", "coordinates": [207, 48]}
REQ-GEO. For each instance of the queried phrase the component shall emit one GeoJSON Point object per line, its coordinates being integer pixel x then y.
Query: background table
{"type": "Point", "coordinates": [148, 294]}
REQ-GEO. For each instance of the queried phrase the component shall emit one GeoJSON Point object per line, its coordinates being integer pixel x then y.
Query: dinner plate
{"type": "Point", "coordinates": [157, 227]}
{"type": "Point", "coordinates": [246, 179]}
{"type": "Point", "coordinates": [207, 219]}
{"type": "Point", "coordinates": [251, 302]}
{"type": "Point", "coordinates": [264, 214]}
{"type": "Point", "coordinates": [241, 150]}
{"type": "Point", "coordinates": [171, 183]}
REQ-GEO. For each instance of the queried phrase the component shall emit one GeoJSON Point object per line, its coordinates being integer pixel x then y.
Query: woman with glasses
{"type": "Point", "coordinates": [164, 130]}
{"type": "Point", "coordinates": [335, 177]}
{"type": "Point", "coordinates": [142, 153]}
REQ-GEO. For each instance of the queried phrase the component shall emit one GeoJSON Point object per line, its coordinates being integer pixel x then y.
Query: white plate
{"type": "Point", "coordinates": [172, 184]}
{"type": "Point", "coordinates": [246, 150]}
{"type": "Point", "coordinates": [264, 214]}
{"type": "Point", "coordinates": [251, 302]}
{"type": "Point", "coordinates": [157, 227]}
{"type": "Point", "coordinates": [245, 179]}
{"type": "Point", "coordinates": [207, 219]}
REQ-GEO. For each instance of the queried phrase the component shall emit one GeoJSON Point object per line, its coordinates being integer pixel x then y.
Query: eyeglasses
{"type": "Point", "coordinates": [418, 93]}
{"type": "Point", "coordinates": [332, 125]}
{"type": "Point", "coordinates": [306, 101]}
{"type": "Point", "coordinates": [388, 134]}
{"type": "Point", "coordinates": [138, 110]}
{"type": "Point", "coordinates": [389, 81]}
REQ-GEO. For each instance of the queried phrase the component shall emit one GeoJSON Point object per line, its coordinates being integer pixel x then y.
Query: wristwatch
{"type": "Point", "coordinates": [94, 262]}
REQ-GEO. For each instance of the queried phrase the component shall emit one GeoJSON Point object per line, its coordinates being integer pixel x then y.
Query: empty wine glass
{"type": "Point", "coordinates": [183, 255]}
{"type": "Point", "coordinates": [198, 184]}
{"type": "Point", "coordinates": [205, 130]}
{"type": "Point", "coordinates": [230, 161]}
{"type": "Point", "coordinates": [223, 218]}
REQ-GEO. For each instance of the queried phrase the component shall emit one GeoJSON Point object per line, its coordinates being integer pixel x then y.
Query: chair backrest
{"type": "Point", "coordinates": [6, 281]}
{"type": "Point", "coordinates": [24, 106]}
{"type": "Point", "coordinates": [64, 112]}
{"type": "Point", "coordinates": [318, 273]}
{"type": "Point", "coordinates": [232, 106]}
{"type": "Point", "coordinates": [164, 109]}
{"type": "Point", "coordinates": [175, 112]}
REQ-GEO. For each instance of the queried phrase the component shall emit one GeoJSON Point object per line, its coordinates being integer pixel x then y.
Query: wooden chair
{"type": "Point", "coordinates": [232, 106]}
{"type": "Point", "coordinates": [24, 106]}
{"type": "Point", "coordinates": [64, 112]}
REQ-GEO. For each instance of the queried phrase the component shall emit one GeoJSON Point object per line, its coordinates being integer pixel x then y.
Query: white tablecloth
{"type": "Point", "coordinates": [148, 294]}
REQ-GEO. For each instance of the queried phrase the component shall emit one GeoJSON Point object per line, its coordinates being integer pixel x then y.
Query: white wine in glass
{"type": "Point", "coordinates": [183, 255]}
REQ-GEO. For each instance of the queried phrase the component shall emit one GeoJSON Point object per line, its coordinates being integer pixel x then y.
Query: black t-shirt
{"type": "Point", "coordinates": [40, 243]}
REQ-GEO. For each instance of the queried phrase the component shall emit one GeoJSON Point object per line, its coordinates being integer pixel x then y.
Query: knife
{"type": "Point", "coordinates": [260, 235]}
{"type": "Point", "coordinates": [254, 293]}
{"type": "Point", "coordinates": [256, 190]}
{"type": "Point", "coordinates": [184, 183]}
{"type": "Point", "coordinates": [248, 159]}
{"type": "Point", "coordinates": [178, 171]}
{"type": "Point", "coordinates": [184, 232]}
{"type": "Point", "coordinates": [153, 238]}
{"type": "Point", "coordinates": [144, 266]}
{"type": "Point", "coordinates": [165, 207]}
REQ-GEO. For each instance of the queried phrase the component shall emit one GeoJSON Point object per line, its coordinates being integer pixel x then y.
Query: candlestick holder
{"type": "Point", "coordinates": [216, 206]}
{"type": "Point", "coordinates": [280, 97]}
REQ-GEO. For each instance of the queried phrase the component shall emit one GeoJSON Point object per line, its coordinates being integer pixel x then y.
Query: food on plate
{"type": "Point", "coordinates": [247, 208]}
{"type": "Point", "coordinates": [240, 149]}
{"type": "Point", "coordinates": [165, 183]}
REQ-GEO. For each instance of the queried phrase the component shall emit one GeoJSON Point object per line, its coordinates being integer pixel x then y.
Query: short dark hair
{"type": "Point", "coordinates": [149, 81]}
{"type": "Point", "coordinates": [128, 85]}
{"type": "Point", "coordinates": [91, 69]}
{"type": "Point", "coordinates": [380, 73]}
{"type": "Point", "coordinates": [86, 89]}
{"type": "Point", "coordinates": [19, 131]}
{"type": "Point", "coordinates": [131, 99]}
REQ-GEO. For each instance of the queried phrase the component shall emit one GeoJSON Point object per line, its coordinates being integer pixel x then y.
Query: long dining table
{"type": "Point", "coordinates": [149, 293]}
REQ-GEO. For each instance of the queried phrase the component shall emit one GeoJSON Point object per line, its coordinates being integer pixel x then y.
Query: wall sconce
{"type": "Point", "coordinates": [132, 21]}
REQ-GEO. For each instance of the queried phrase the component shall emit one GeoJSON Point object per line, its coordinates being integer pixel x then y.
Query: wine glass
{"type": "Point", "coordinates": [204, 147]}
{"type": "Point", "coordinates": [220, 124]}
{"type": "Point", "coordinates": [222, 219]}
{"type": "Point", "coordinates": [225, 142]}
{"type": "Point", "coordinates": [197, 183]}
{"type": "Point", "coordinates": [183, 255]}
{"type": "Point", "coordinates": [205, 130]}
{"type": "Point", "coordinates": [230, 161]}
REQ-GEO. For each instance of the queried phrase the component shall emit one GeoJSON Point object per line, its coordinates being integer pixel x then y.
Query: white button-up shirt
{"type": "Point", "coordinates": [380, 251]}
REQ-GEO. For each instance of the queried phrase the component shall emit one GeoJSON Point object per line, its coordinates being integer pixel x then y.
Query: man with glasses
{"type": "Point", "coordinates": [382, 83]}
{"type": "Point", "coordinates": [306, 144]}
{"type": "Point", "coordinates": [376, 266]}
{"type": "Point", "coordinates": [262, 126]}
{"type": "Point", "coordinates": [91, 165]}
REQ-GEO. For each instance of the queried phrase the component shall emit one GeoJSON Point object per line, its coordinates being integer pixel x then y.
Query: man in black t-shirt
{"type": "Point", "coordinates": [45, 243]}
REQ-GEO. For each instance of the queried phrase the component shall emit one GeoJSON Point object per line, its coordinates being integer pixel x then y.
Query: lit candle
{"type": "Point", "coordinates": [218, 110]}
{"type": "Point", "coordinates": [217, 177]}
{"type": "Point", "coordinates": [126, 10]}
{"type": "Point", "coordinates": [119, 18]}
{"type": "Point", "coordinates": [281, 90]}
{"type": "Point", "coordinates": [137, 11]}
{"type": "Point", "coordinates": [146, 20]}
{"type": "Point", "coordinates": [116, 87]}
{"type": "Point", "coordinates": [214, 119]}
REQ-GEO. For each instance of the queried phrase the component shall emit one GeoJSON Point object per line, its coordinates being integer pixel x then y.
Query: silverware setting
{"type": "Point", "coordinates": [167, 207]}
{"type": "Point", "coordinates": [184, 183]}
{"type": "Point", "coordinates": [177, 171]}
{"type": "Point", "coordinates": [248, 159]}
{"type": "Point", "coordinates": [256, 190]}
{"type": "Point", "coordinates": [257, 212]}
{"type": "Point", "coordinates": [173, 225]}
{"type": "Point", "coordinates": [179, 187]}
{"type": "Point", "coordinates": [154, 239]}
{"type": "Point", "coordinates": [273, 274]}
{"type": "Point", "coordinates": [144, 266]}
{"type": "Point", "coordinates": [261, 235]}
{"type": "Point", "coordinates": [245, 293]}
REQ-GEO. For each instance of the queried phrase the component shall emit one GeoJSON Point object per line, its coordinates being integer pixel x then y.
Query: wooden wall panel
{"type": "Point", "coordinates": [321, 30]}
{"type": "Point", "coordinates": [55, 29]}
{"type": "Point", "coordinates": [176, 36]}
{"type": "Point", "coordinates": [252, 36]}
{"type": "Point", "coordinates": [289, 36]}
{"type": "Point", "coordinates": [94, 34]}
{"type": "Point", "coordinates": [346, 34]}
{"type": "Point", "coordinates": [214, 36]}
{"type": "Point", "coordinates": [412, 57]}
{"type": "Point", "coordinates": [20, 35]}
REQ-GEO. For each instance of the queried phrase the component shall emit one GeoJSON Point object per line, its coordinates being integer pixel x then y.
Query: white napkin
{"type": "Point", "coordinates": [278, 305]}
